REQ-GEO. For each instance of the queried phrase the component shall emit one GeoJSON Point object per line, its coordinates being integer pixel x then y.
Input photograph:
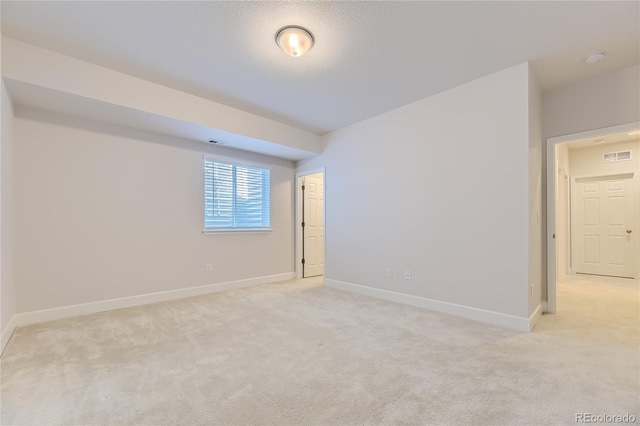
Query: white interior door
{"type": "Point", "coordinates": [604, 240]}
{"type": "Point", "coordinates": [313, 219]}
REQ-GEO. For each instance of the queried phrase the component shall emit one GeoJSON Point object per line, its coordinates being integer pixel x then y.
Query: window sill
{"type": "Point", "coordinates": [237, 230]}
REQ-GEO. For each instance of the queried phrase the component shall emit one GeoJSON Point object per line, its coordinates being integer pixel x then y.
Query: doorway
{"type": "Point", "coordinates": [310, 224]}
{"type": "Point", "coordinates": [590, 203]}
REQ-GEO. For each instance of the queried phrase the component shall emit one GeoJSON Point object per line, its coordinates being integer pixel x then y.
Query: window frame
{"type": "Point", "coordinates": [232, 230]}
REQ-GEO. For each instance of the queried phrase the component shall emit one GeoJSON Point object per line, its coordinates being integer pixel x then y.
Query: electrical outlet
{"type": "Point", "coordinates": [209, 268]}
{"type": "Point", "coordinates": [407, 274]}
{"type": "Point", "coordinates": [389, 273]}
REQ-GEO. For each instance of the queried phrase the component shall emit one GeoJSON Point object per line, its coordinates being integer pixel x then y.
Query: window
{"type": "Point", "coordinates": [236, 197]}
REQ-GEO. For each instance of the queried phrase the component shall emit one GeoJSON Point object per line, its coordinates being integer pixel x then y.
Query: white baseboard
{"type": "Point", "coordinates": [7, 332]}
{"type": "Point", "coordinates": [44, 315]}
{"type": "Point", "coordinates": [490, 317]}
{"type": "Point", "coordinates": [545, 306]}
{"type": "Point", "coordinates": [535, 316]}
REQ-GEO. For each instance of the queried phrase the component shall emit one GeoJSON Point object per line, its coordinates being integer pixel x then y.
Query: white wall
{"type": "Point", "coordinates": [576, 163]}
{"type": "Point", "coordinates": [106, 212]}
{"type": "Point", "coordinates": [76, 87]}
{"type": "Point", "coordinates": [588, 161]}
{"type": "Point", "coordinates": [440, 187]}
{"type": "Point", "coordinates": [7, 220]}
{"type": "Point", "coordinates": [602, 101]}
{"type": "Point", "coordinates": [585, 162]}
{"type": "Point", "coordinates": [535, 192]}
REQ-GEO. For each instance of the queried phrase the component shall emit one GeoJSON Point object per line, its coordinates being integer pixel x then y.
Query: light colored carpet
{"type": "Point", "coordinates": [301, 353]}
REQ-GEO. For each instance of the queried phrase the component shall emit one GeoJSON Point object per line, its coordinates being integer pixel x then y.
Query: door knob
{"type": "Point", "coordinates": [628, 231]}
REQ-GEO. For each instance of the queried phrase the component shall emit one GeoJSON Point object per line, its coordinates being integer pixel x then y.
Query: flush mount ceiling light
{"type": "Point", "coordinates": [594, 58]}
{"type": "Point", "coordinates": [294, 40]}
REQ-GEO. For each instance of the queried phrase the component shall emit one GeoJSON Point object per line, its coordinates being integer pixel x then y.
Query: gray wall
{"type": "Point", "coordinates": [7, 223]}
{"type": "Point", "coordinates": [602, 101]}
{"type": "Point", "coordinates": [106, 212]}
{"type": "Point", "coordinates": [535, 193]}
{"type": "Point", "coordinates": [440, 187]}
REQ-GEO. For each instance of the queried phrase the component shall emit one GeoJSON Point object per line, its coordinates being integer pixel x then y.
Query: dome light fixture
{"type": "Point", "coordinates": [294, 40]}
{"type": "Point", "coordinates": [594, 58]}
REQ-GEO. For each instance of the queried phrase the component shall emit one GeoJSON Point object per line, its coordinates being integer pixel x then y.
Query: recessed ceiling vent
{"type": "Point", "coordinates": [616, 156]}
{"type": "Point", "coordinates": [216, 142]}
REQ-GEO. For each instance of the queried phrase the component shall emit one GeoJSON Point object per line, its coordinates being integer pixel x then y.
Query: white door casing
{"type": "Point", "coordinates": [551, 166]}
{"type": "Point", "coordinates": [313, 218]}
{"type": "Point", "coordinates": [602, 221]}
{"type": "Point", "coordinates": [563, 220]}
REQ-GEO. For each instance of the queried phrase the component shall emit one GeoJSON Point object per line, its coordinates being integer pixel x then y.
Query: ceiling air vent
{"type": "Point", "coordinates": [616, 156]}
{"type": "Point", "coordinates": [215, 142]}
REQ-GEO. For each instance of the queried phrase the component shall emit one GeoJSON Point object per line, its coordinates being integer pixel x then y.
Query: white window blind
{"type": "Point", "coordinates": [236, 196]}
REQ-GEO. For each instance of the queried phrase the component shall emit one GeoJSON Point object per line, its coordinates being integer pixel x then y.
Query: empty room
{"type": "Point", "coordinates": [319, 212]}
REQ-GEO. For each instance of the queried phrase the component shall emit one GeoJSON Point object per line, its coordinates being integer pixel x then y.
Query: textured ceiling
{"type": "Point", "coordinates": [369, 57]}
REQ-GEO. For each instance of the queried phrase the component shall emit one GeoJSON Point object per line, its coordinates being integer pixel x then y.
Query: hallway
{"type": "Point", "coordinates": [601, 308]}
{"type": "Point", "coordinates": [596, 331]}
